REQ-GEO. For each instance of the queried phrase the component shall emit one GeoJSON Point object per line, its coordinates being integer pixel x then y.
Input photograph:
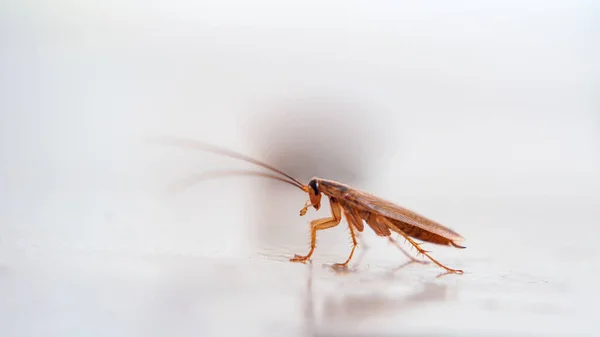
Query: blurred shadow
{"type": "Point", "coordinates": [332, 138]}
{"type": "Point", "coordinates": [326, 137]}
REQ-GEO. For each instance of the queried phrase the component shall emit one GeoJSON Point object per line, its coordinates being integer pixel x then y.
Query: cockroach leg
{"type": "Point", "coordinates": [316, 225]}
{"type": "Point", "coordinates": [321, 224]}
{"type": "Point", "coordinates": [362, 251]}
{"type": "Point", "coordinates": [412, 259]}
{"type": "Point", "coordinates": [354, 244]}
{"type": "Point", "coordinates": [305, 208]}
{"type": "Point", "coordinates": [416, 245]}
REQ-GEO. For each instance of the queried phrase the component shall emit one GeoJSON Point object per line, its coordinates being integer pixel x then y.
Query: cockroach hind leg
{"type": "Point", "coordinates": [412, 259]}
{"type": "Point", "coordinates": [421, 250]}
{"type": "Point", "coordinates": [449, 272]}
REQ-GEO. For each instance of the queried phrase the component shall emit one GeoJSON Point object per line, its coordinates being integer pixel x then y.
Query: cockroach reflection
{"type": "Point", "coordinates": [358, 207]}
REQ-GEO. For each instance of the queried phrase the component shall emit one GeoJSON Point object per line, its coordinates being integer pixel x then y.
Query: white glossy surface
{"type": "Point", "coordinates": [483, 117]}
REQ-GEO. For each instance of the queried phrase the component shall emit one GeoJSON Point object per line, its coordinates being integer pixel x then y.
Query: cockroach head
{"type": "Point", "coordinates": [314, 193]}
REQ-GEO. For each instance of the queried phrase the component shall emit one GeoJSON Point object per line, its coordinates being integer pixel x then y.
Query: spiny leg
{"type": "Point", "coordinates": [416, 245]}
{"type": "Point", "coordinates": [321, 224]}
{"type": "Point", "coordinates": [359, 226]}
{"type": "Point", "coordinates": [350, 221]}
{"type": "Point", "coordinates": [412, 259]}
{"type": "Point", "coordinates": [316, 225]}
{"type": "Point", "coordinates": [339, 267]}
{"type": "Point", "coordinates": [382, 229]}
{"type": "Point", "coordinates": [364, 249]}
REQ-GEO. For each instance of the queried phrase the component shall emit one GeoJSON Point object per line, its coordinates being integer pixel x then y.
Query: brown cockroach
{"type": "Point", "coordinates": [356, 206]}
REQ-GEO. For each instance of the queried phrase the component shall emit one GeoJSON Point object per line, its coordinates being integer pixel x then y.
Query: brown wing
{"type": "Point", "coordinates": [371, 203]}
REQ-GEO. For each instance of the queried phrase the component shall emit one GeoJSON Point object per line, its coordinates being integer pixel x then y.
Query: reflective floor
{"type": "Point", "coordinates": [84, 293]}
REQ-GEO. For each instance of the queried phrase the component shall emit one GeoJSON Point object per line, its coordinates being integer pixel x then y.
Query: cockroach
{"type": "Point", "coordinates": [358, 207]}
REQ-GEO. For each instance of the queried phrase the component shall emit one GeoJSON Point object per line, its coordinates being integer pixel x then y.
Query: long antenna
{"type": "Point", "coordinates": [197, 145]}
{"type": "Point", "coordinates": [196, 178]}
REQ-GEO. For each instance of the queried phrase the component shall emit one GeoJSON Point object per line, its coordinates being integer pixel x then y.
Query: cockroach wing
{"type": "Point", "coordinates": [371, 203]}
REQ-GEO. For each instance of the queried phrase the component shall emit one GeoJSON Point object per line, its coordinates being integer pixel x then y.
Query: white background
{"type": "Point", "coordinates": [482, 116]}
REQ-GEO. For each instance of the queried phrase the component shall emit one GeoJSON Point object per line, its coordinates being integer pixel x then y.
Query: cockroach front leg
{"type": "Point", "coordinates": [305, 208]}
{"type": "Point", "coordinates": [321, 224]}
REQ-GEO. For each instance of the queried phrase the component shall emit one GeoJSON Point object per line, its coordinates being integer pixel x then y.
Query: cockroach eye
{"type": "Point", "coordinates": [314, 185]}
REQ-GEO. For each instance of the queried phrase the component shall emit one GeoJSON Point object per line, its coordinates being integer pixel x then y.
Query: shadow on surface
{"type": "Point", "coordinates": [350, 309]}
